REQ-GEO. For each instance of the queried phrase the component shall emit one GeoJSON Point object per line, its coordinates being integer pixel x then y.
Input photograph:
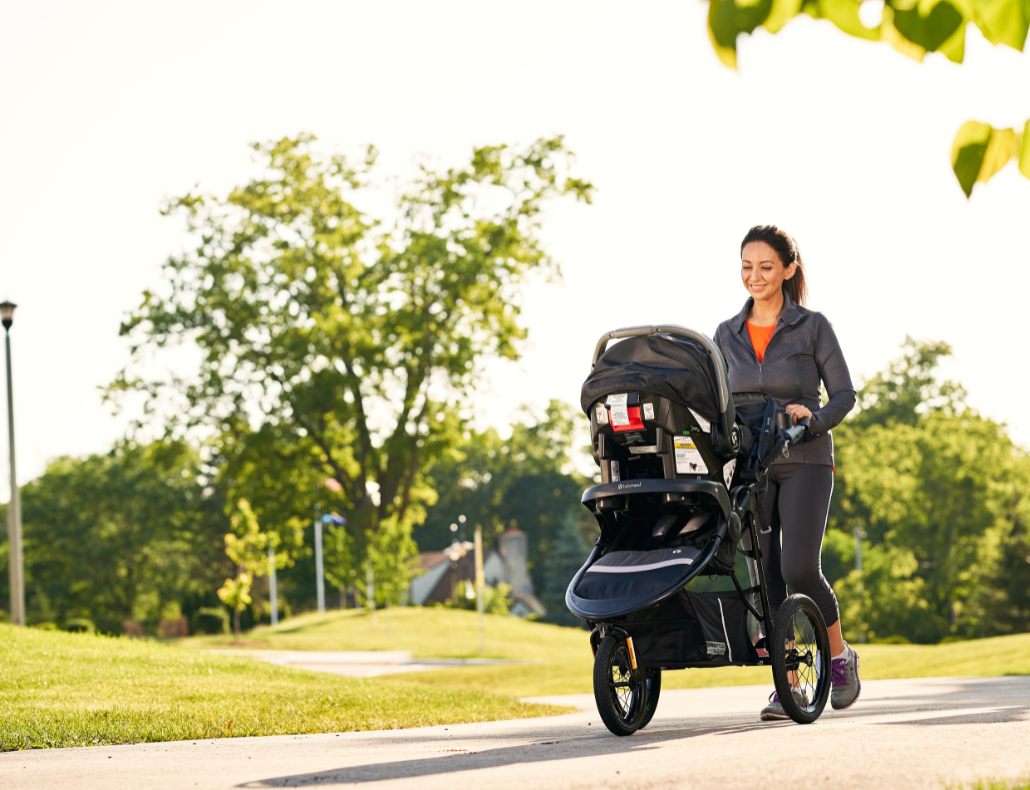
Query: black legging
{"type": "Point", "coordinates": [794, 511]}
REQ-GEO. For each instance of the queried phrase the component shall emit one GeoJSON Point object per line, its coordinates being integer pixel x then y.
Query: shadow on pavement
{"type": "Point", "coordinates": [961, 694]}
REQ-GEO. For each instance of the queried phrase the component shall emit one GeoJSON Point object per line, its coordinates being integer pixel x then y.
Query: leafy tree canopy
{"type": "Point", "coordinates": [117, 537]}
{"type": "Point", "coordinates": [939, 494]}
{"type": "Point", "coordinates": [340, 345]}
{"type": "Point", "coordinates": [913, 27]}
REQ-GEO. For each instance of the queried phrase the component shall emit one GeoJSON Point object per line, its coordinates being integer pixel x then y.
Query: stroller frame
{"type": "Point", "coordinates": [737, 511]}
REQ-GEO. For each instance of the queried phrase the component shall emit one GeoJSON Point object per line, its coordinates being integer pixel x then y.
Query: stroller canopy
{"type": "Point", "coordinates": [674, 367]}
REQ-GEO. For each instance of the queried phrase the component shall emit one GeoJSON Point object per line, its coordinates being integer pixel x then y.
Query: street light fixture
{"type": "Point", "coordinates": [14, 554]}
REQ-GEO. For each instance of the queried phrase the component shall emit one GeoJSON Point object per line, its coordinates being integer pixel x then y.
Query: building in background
{"type": "Point", "coordinates": [442, 570]}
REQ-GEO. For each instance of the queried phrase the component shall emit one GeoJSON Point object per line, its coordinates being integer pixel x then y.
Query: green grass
{"type": "Point", "coordinates": [996, 784]}
{"type": "Point", "coordinates": [562, 662]}
{"type": "Point", "coordinates": [59, 689]}
{"type": "Point", "coordinates": [432, 632]}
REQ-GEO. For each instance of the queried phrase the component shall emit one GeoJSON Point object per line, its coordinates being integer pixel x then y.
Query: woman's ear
{"type": "Point", "coordinates": [790, 271]}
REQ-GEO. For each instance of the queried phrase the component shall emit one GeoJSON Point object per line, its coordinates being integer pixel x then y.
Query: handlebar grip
{"type": "Point", "coordinates": [794, 434]}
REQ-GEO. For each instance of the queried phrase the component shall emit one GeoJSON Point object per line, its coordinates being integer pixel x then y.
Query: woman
{"type": "Point", "coordinates": [777, 346]}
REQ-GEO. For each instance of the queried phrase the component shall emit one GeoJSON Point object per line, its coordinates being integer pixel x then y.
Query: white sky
{"type": "Point", "coordinates": [107, 108]}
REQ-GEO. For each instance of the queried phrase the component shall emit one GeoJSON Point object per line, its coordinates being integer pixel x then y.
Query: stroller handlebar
{"type": "Point", "coordinates": [795, 433]}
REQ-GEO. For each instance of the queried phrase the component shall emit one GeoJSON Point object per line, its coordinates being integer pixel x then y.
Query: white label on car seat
{"type": "Point", "coordinates": [716, 648]}
{"type": "Point", "coordinates": [701, 421]}
{"type": "Point", "coordinates": [619, 410]}
{"type": "Point", "coordinates": [643, 449]}
{"type": "Point", "coordinates": [648, 411]}
{"type": "Point", "coordinates": [727, 471]}
{"type": "Point", "coordinates": [615, 478]}
{"type": "Point", "coordinates": [602, 414]}
{"type": "Point", "coordinates": [688, 457]}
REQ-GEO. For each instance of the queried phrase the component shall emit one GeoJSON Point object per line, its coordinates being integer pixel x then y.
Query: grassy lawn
{"type": "Point", "coordinates": [60, 689]}
{"type": "Point", "coordinates": [561, 656]}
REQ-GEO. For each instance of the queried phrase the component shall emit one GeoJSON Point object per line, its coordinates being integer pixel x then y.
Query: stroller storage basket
{"type": "Point", "coordinates": [692, 629]}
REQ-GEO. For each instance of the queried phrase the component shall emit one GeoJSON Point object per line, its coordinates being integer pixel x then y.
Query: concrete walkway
{"type": "Point", "coordinates": [356, 663]}
{"type": "Point", "coordinates": [902, 734]}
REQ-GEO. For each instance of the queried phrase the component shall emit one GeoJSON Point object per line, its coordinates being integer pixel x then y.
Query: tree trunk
{"type": "Point", "coordinates": [236, 625]}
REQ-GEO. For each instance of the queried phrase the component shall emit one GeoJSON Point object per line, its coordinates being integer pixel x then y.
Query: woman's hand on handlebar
{"type": "Point", "coordinates": [798, 412]}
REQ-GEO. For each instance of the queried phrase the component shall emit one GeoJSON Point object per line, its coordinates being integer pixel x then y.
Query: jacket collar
{"type": "Point", "coordinates": [789, 316]}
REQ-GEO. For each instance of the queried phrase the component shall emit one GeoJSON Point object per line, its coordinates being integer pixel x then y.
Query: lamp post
{"type": "Point", "coordinates": [14, 558]}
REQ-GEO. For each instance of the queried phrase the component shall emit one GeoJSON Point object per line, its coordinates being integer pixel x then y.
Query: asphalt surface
{"type": "Point", "coordinates": [926, 733]}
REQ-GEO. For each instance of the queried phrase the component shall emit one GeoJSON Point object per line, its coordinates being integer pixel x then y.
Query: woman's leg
{"type": "Point", "coordinates": [803, 504]}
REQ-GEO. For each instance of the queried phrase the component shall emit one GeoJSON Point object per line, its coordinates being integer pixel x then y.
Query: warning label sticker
{"type": "Point", "coordinates": [648, 411]}
{"type": "Point", "coordinates": [716, 648]}
{"type": "Point", "coordinates": [602, 415]}
{"type": "Point", "coordinates": [620, 411]}
{"type": "Point", "coordinates": [688, 457]}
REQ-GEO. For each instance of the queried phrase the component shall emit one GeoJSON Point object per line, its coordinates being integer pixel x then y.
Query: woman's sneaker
{"type": "Point", "coordinates": [846, 686]}
{"type": "Point", "coordinates": [774, 711]}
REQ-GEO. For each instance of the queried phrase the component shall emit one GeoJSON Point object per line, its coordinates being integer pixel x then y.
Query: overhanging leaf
{"type": "Point", "coordinates": [980, 151]}
{"type": "Point", "coordinates": [1003, 21]}
{"type": "Point", "coordinates": [890, 34]}
{"type": "Point", "coordinates": [1000, 149]}
{"type": "Point", "coordinates": [1024, 156]}
{"type": "Point", "coordinates": [727, 19]}
{"type": "Point", "coordinates": [844, 14]}
{"type": "Point", "coordinates": [928, 28]}
{"type": "Point", "coordinates": [780, 13]}
{"type": "Point", "coordinates": [967, 153]}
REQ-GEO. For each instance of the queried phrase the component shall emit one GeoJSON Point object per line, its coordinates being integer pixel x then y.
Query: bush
{"type": "Point", "coordinates": [495, 599]}
{"type": "Point", "coordinates": [80, 625]}
{"type": "Point", "coordinates": [211, 620]}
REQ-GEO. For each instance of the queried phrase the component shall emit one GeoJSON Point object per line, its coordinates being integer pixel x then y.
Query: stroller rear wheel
{"type": "Point", "coordinates": [626, 697]}
{"type": "Point", "coordinates": [801, 659]}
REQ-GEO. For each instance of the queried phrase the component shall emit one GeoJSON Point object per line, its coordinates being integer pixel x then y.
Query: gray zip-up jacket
{"type": "Point", "coordinates": [802, 351]}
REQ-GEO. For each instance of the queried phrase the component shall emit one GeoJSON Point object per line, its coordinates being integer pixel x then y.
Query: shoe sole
{"type": "Point", "coordinates": [774, 717]}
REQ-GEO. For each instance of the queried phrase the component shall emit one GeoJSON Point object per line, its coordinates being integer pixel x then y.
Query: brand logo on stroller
{"type": "Point", "coordinates": [630, 485]}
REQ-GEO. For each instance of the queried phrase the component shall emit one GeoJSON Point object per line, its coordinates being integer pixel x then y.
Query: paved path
{"type": "Point", "coordinates": [902, 734]}
{"type": "Point", "coordinates": [357, 663]}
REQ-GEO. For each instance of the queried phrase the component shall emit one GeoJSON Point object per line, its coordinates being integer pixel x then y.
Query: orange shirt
{"type": "Point", "coordinates": [760, 336]}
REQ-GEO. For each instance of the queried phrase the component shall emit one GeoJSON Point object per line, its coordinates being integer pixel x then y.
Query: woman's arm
{"type": "Point", "coordinates": [833, 370]}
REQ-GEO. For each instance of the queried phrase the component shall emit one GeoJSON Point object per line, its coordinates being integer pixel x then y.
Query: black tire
{"type": "Point", "coordinates": [654, 690]}
{"type": "Point", "coordinates": [800, 654]}
{"type": "Point", "coordinates": [619, 690]}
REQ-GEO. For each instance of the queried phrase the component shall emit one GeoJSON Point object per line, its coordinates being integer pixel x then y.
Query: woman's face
{"type": "Point", "coordinates": [762, 271]}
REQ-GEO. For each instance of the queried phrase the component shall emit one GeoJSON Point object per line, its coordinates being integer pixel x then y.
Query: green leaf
{"type": "Point", "coordinates": [727, 19]}
{"type": "Point", "coordinates": [844, 14]}
{"type": "Point", "coordinates": [967, 153]}
{"type": "Point", "coordinates": [1024, 156]}
{"type": "Point", "coordinates": [1000, 149]}
{"type": "Point", "coordinates": [929, 29]}
{"type": "Point", "coordinates": [1003, 21]}
{"type": "Point", "coordinates": [781, 12]}
{"type": "Point", "coordinates": [979, 151]}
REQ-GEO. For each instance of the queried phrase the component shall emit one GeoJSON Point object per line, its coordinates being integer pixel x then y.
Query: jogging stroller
{"type": "Point", "coordinates": [683, 465]}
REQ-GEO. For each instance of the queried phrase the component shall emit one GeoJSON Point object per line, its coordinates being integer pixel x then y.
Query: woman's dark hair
{"type": "Point", "coordinates": [785, 246]}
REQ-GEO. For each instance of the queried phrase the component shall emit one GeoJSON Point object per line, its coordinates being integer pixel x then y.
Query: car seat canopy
{"type": "Point", "coordinates": [674, 367]}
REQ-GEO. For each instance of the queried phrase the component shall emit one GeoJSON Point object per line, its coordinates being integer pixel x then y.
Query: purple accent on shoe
{"type": "Point", "coordinates": [837, 671]}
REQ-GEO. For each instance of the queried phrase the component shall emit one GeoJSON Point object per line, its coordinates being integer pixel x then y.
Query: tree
{"type": "Point", "coordinates": [349, 342]}
{"type": "Point", "coordinates": [913, 28]}
{"type": "Point", "coordinates": [568, 551]}
{"type": "Point", "coordinates": [248, 548]}
{"type": "Point", "coordinates": [938, 491]}
{"type": "Point", "coordinates": [117, 537]}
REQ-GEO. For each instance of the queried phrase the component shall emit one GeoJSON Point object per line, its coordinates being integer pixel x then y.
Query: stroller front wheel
{"type": "Point", "coordinates": [626, 697]}
{"type": "Point", "coordinates": [800, 657]}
